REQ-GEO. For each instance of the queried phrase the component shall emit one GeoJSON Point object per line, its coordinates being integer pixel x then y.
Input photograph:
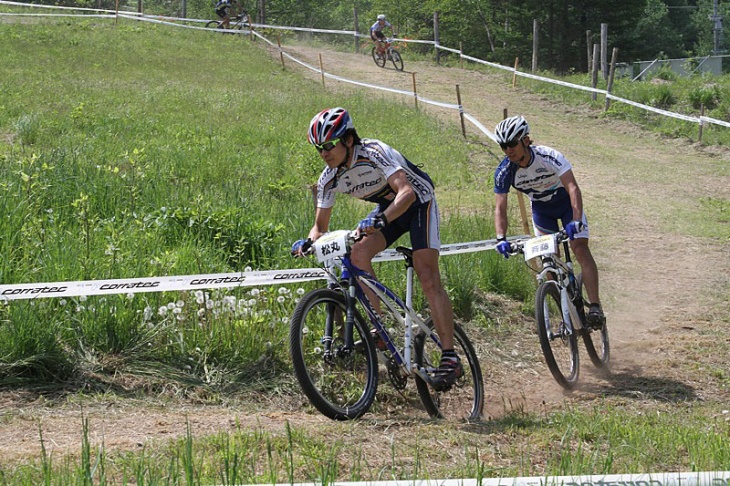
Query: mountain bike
{"type": "Point", "coordinates": [390, 53]}
{"type": "Point", "coordinates": [560, 303]}
{"type": "Point", "coordinates": [336, 353]}
{"type": "Point", "coordinates": [237, 22]}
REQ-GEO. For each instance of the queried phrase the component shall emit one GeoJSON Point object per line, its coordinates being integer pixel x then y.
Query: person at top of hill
{"type": "Point", "coordinates": [370, 170]}
{"type": "Point", "coordinates": [223, 9]}
{"type": "Point", "coordinates": [546, 177]}
{"type": "Point", "coordinates": [376, 32]}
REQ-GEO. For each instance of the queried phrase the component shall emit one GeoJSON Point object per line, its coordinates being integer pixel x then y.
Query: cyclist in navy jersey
{"type": "Point", "coordinates": [223, 9]}
{"type": "Point", "coordinates": [546, 177]}
{"type": "Point", "coordinates": [405, 203]}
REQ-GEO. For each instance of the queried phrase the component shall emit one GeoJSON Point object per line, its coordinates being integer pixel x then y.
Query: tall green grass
{"type": "Point", "coordinates": [140, 150]}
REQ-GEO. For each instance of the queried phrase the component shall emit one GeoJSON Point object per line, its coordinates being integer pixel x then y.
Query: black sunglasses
{"type": "Point", "coordinates": [327, 146]}
{"type": "Point", "coordinates": [510, 144]}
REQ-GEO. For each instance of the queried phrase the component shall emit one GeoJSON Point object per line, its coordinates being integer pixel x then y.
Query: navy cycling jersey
{"type": "Point", "coordinates": [372, 163]}
{"type": "Point", "coordinates": [540, 180]}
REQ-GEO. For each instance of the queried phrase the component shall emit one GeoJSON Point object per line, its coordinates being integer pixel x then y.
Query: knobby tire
{"type": "Point", "coordinates": [596, 341]}
{"type": "Point", "coordinates": [377, 57]}
{"type": "Point", "coordinates": [397, 60]}
{"type": "Point", "coordinates": [560, 352]}
{"type": "Point", "coordinates": [341, 387]}
{"type": "Point", "coordinates": [465, 399]}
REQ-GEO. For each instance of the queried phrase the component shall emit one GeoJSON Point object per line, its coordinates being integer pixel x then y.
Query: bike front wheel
{"type": "Point", "coordinates": [557, 338]}
{"type": "Point", "coordinates": [465, 399]}
{"type": "Point", "coordinates": [340, 381]}
{"type": "Point", "coordinates": [397, 60]}
{"type": "Point", "coordinates": [595, 340]}
{"type": "Point", "coordinates": [378, 57]}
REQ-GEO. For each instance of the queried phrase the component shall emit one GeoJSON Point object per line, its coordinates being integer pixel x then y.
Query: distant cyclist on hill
{"type": "Point", "coordinates": [223, 9]}
{"type": "Point", "coordinates": [376, 32]}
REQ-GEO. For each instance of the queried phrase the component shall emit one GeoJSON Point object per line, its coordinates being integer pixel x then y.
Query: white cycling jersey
{"type": "Point", "coordinates": [376, 27]}
{"type": "Point", "coordinates": [540, 180]}
{"type": "Point", "coordinates": [366, 176]}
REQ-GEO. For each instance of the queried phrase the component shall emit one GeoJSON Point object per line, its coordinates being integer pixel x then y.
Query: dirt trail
{"type": "Point", "coordinates": [658, 288]}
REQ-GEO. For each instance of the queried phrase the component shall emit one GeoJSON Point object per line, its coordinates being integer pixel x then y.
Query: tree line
{"type": "Point", "coordinates": [500, 30]}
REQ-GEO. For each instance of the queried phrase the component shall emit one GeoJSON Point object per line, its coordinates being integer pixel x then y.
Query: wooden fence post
{"type": "Point", "coordinates": [614, 58]}
{"type": "Point", "coordinates": [436, 38]}
{"type": "Point", "coordinates": [514, 74]}
{"type": "Point", "coordinates": [535, 43]}
{"type": "Point", "coordinates": [702, 113]}
{"type": "Point", "coordinates": [321, 69]}
{"type": "Point", "coordinates": [357, 30]}
{"type": "Point", "coordinates": [461, 111]}
{"type": "Point", "coordinates": [604, 50]}
{"type": "Point", "coordinates": [588, 49]}
{"type": "Point", "coordinates": [281, 52]}
{"type": "Point", "coordinates": [415, 96]}
{"type": "Point", "coordinates": [594, 72]}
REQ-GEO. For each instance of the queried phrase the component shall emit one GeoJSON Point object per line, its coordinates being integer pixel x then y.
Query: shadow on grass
{"type": "Point", "coordinates": [632, 384]}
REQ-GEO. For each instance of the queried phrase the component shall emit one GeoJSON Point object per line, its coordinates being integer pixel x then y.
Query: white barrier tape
{"type": "Point", "coordinates": [712, 478]}
{"type": "Point", "coordinates": [97, 16]}
{"type": "Point", "coordinates": [655, 110]}
{"type": "Point", "coordinates": [715, 121]}
{"type": "Point", "coordinates": [561, 83]}
{"type": "Point", "coordinates": [481, 127]}
{"type": "Point", "coordinates": [157, 284]}
{"type": "Point", "coordinates": [487, 63]}
{"type": "Point", "coordinates": [26, 291]}
{"type": "Point", "coordinates": [19, 4]}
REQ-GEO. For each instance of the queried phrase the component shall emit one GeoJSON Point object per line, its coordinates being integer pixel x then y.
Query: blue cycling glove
{"type": "Point", "coordinates": [504, 247]}
{"type": "Point", "coordinates": [299, 246]}
{"type": "Point", "coordinates": [372, 222]}
{"type": "Point", "coordinates": [573, 228]}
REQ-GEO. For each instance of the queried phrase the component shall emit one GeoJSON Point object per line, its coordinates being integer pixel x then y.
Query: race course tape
{"type": "Point", "coordinates": [715, 478]}
{"type": "Point", "coordinates": [26, 291]}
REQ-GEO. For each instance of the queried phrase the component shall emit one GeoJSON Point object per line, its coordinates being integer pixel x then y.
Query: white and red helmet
{"type": "Point", "coordinates": [512, 128]}
{"type": "Point", "coordinates": [329, 124]}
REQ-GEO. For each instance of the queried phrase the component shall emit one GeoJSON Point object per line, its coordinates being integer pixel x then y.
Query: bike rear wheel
{"type": "Point", "coordinates": [397, 60]}
{"type": "Point", "coordinates": [557, 339]}
{"type": "Point", "coordinates": [213, 24]}
{"type": "Point", "coordinates": [595, 340]}
{"type": "Point", "coordinates": [341, 383]}
{"type": "Point", "coordinates": [378, 57]}
{"type": "Point", "coordinates": [465, 399]}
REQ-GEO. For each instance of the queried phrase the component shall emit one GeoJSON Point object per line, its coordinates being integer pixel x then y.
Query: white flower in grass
{"type": "Point", "coordinates": [300, 291]}
{"type": "Point", "coordinates": [285, 320]}
{"type": "Point", "coordinates": [305, 330]}
{"type": "Point", "coordinates": [296, 301]}
{"type": "Point", "coordinates": [198, 294]}
{"type": "Point", "coordinates": [162, 310]}
{"type": "Point", "coordinates": [171, 305]}
{"type": "Point", "coordinates": [255, 292]}
{"type": "Point", "coordinates": [130, 296]}
{"type": "Point", "coordinates": [177, 310]}
{"type": "Point", "coordinates": [248, 269]}
{"type": "Point", "coordinates": [180, 303]}
{"type": "Point", "coordinates": [201, 312]}
{"type": "Point", "coordinates": [200, 300]}
{"type": "Point", "coordinates": [268, 345]}
{"type": "Point", "coordinates": [147, 313]}
{"type": "Point", "coordinates": [280, 299]}
{"type": "Point", "coordinates": [317, 350]}
{"type": "Point", "coordinates": [62, 302]}
{"type": "Point", "coordinates": [180, 317]}
{"type": "Point", "coordinates": [252, 302]}
{"type": "Point", "coordinates": [79, 308]}
{"type": "Point", "coordinates": [284, 291]}
{"type": "Point", "coordinates": [83, 298]}
{"type": "Point", "coordinates": [209, 304]}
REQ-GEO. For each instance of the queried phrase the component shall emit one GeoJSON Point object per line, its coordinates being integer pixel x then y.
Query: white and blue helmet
{"type": "Point", "coordinates": [512, 128]}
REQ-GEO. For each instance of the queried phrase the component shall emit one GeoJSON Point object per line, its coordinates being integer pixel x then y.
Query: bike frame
{"type": "Point", "coordinates": [357, 280]}
{"type": "Point", "coordinates": [562, 271]}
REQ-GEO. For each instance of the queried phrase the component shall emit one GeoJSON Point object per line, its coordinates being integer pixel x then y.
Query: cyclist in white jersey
{"type": "Point", "coordinates": [376, 32]}
{"type": "Point", "coordinates": [546, 177]}
{"type": "Point", "coordinates": [405, 203]}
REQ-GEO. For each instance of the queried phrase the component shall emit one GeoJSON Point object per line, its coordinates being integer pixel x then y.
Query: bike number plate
{"type": "Point", "coordinates": [331, 245]}
{"type": "Point", "coordinates": [542, 245]}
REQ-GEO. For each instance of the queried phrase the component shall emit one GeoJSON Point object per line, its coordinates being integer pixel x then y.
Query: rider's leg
{"type": "Point", "coordinates": [588, 267]}
{"type": "Point", "coordinates": [362, 256]}
{"type": "Point", "coordinates": [425, 263]}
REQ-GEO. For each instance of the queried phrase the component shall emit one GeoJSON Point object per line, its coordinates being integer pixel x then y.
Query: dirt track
{"type": "Point", "coordinates": [660, 288]}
